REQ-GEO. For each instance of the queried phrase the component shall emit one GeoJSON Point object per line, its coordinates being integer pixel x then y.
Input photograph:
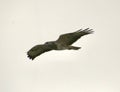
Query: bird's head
{"type": "Point", "coordinates": [50, 43]}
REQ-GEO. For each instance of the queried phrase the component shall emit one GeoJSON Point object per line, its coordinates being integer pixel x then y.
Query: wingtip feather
{"type": "Point", "coordinates": [30, 57]}
{"type": "Point", "coordinates": [88, 31]}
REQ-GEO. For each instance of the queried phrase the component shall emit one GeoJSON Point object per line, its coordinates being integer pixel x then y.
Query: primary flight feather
{"type": "Point", "coordinates": [64, 42]}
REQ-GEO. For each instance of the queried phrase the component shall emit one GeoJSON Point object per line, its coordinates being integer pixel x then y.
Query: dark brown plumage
{"type": "Point", "coordinates": [62, 43]}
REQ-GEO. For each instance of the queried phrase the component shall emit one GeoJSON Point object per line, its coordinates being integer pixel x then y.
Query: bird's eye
{"type": "Point", "coordinates": [46, 43]}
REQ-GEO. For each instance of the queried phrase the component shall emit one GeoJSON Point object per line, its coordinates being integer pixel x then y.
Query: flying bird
{"type": "Point", "coordinates": [64, 42]}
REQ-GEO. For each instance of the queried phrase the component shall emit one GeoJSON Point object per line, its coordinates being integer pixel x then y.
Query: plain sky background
{"type": "Point", "coordinates": [94, 68]}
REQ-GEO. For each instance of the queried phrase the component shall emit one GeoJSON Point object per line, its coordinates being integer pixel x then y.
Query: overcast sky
{"type": "Point", "coordinates": [94, 68]}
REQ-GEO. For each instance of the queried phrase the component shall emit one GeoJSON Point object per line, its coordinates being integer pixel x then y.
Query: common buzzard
{"type": "Point", "coordinates": [64, 42]}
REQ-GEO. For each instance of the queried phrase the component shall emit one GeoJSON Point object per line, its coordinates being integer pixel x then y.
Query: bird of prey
{"type": "Point", "coordinates": [64, 42]}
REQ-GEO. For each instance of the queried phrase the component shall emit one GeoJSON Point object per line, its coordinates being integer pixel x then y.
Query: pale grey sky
{"type": "Point", "coordinates": [94, 68]}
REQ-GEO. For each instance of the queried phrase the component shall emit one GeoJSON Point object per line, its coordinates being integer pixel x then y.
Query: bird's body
{"type": "Point", "coordinates": [64, 42]}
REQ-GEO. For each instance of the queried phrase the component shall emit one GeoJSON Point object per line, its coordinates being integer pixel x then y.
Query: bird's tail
{"type": "Point", "coordinates": [73, 48]}
{"type": "Point", "coordinates": [85, 31]}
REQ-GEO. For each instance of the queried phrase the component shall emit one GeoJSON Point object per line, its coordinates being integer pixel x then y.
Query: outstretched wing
{"type": "Point", "coordinates": [38, 50]}
{"type": "Point", "coordinates": [70, 38]}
